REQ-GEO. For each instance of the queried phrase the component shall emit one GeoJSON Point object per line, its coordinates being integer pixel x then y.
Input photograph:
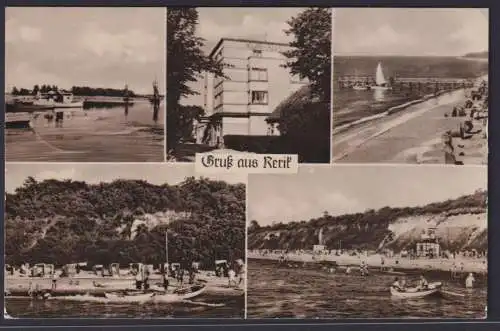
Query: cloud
{"type": "Point", "coordinates": [251, 26]}
{"type": "Point", "coordinates": [473, 34]}
{"type": "Point", "coordinates": [26, 75]}
{"type": "Point", "coordinates": [379, 40]}
{"type": "Point", "coordinates": [403, 31]}
{"type": "Point", "coordinates": [132, 46]}
{"type": "Point", "coordinates": [300, 207]}
{"type": "Point", "coordinates": [15, 32]}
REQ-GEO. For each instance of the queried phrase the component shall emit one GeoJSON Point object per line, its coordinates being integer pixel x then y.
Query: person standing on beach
{"type": "Point", "coordinates": [232, 277]}
{"type": "Point", "coordinates": [165, 282]}
{"type": "Point", "coordinates": [469, 281]}
{"type": "Point", "coordinates": [54, 280]}
{"type": "Point", "coordinates": [138, 279]}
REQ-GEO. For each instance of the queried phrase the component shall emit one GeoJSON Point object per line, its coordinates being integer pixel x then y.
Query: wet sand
{"type": "Point", "coordinates": [409, 136]}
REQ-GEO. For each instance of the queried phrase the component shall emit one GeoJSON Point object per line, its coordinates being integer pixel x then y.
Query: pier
{"type": "Point", "coordinates": [417, 83]}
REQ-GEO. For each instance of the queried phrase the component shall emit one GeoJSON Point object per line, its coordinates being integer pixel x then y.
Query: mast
{"type": "Point", "coordinates": [125, 93]}
{"type": "Point", "coordinates": [166, 246]}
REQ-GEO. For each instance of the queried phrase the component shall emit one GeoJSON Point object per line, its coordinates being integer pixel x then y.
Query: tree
{"type": "Point", "coordinates": [36, 89]}
{"type": "Point", "coordinates": [311, 54]}
{"type": "Point", "coordinates": [185, 119]}
{"type": "Point", "coordinates": [254, 225]}
{"type": "Point", "coordinates": [305, 121]}
{"type": "Point", "coordinates": [15, 91]}
{"type": "Point", "coordinates": [186, 64]}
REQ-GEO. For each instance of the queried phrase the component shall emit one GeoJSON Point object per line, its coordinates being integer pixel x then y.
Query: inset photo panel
{"type": "Point", "coordinates": [368, 241]}
{"type": "Point", "coordinates": [123, 240]}
{"type": "Point", "coordinates": [254, 80]}
{"type": "Point", "coordinates": [410, 86]}
{"type": "Point", "coordinates": [85, 84]}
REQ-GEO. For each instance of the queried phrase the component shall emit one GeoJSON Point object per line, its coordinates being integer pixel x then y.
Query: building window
{"type": "Point", "coordinates": [259, 98]}
{"type": "Point", "coordinates": [257, 52]}
{"type": "Point", "coordinates": [258, 74]}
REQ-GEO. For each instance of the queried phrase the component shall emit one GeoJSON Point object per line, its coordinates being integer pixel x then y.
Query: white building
{"type": "Point", "coordinates": [255, 83]}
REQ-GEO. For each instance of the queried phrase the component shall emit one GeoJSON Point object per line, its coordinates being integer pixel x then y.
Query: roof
{"type": "Point", "coordinates": [244, 41]}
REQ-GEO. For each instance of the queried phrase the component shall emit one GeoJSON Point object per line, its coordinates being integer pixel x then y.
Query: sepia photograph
{"type": "Point", "coordinates": [368, 241]}
{"type": "Point", "coordinates": [123, 241]}
{"type": "Point", "coordinates": [255, 80]}
{"type": "Point", "coordinates": [84, 84]}
{"type": "Point", "coordinates": [410, 86]}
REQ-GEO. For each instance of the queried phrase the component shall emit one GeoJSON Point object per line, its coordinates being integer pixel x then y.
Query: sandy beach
{"type": "Point", "coordinates": [411, 135]}
{"type": "Point", "coordinates": [86, 283]}
{"type": "Point", "coordinates": [375, 261]}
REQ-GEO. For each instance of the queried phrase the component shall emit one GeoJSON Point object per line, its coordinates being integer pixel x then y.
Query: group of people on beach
{"type": "Point", "coordinates": [475, 114]}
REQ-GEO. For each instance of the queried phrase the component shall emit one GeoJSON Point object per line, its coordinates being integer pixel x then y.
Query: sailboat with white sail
{"type": "Point", "coordinates": [380, 82]}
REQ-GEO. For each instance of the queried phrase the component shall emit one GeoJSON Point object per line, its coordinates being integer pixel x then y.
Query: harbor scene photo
{"type": "Point", "coordinates": [254, 80]}
{"type": "Point", "coordinates": [123, 240]}
{"type": "Point", "coordinates": [410, 86]}
{"type": "Point", "coordinates": [85, 84]}
{"type": "Point", "coordinates": [413, 245]}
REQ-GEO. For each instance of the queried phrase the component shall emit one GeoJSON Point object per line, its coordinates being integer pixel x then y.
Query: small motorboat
{"type": "Point", "coordinates": [130, 296]}
{"type": "Point", "coordinates": [181, 294]}
{"type": "Point", "coordinates": [415, 293]}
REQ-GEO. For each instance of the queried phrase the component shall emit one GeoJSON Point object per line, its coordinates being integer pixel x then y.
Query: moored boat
{"type": "Point", "coordinates": [184, 294]}
{"type": "Point", "coordinates": [380, 82]}
{"type": "Point", "coordinates": [177, 295]}
{"type": "Point", "coordinates": [22, 107]}
{"type": "Point", "coordinates": [57, 99]}
{"type": "Point", "coordinates": [129, 297]}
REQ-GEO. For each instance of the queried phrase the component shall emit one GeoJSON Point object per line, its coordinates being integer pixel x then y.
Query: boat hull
{"type": "Point", "coordinates": [129, 298]}
{"type": "Point", "coordinates": [383, 88]}
{"type": "Point", "coordinates": [172, 297]}
{"type": "Point", "coordinates": [77, 104]}
{"type": "Point", "coordinates": [414, 293]}
{"type": "Point", "coordinates": [26, 108]}
{"type": "Point", "coordinates": [18, 124]}
{"type": "Point", "coordinates": [154, 296]}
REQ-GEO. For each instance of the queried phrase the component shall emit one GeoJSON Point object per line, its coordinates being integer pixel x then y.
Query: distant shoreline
{"type": "Point", "coordinates": [470, 58]}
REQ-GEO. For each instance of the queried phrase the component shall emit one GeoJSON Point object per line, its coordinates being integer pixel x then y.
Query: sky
{"type": "Point", "coordinates": [92, 173]}
{"type": "Point", "coordinates": [410, 31]}
{"type": "Point", "coordinates": [97, 47]}
{"type": "Point", "coordinates": [246, 23]}
{"type": "Point", "coordinates": [347, 189]}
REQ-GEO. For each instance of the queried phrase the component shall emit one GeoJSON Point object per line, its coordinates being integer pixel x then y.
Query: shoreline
{"type": "Point", "coordinates": [390, 111]}
{"type": "Point", "coordinates": [374, 261]}
{"type": "Point", "coordinates": [84, 284]}
{"type": "Point", "coordinates": [398, 108]}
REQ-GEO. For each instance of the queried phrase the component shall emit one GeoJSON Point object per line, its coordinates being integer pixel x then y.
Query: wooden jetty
{"type": "Point", "coordinates": [417, 83]}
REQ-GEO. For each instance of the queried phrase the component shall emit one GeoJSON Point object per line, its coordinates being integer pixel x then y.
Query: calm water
{"type": "Point", "coordinates": [301, 293]}
{"type": "Point", "coordinates": [205, 306]}
{"type": "Point", "coordinates": [95, 134]}
{"type": "Point", "coordinates": [350, 105]}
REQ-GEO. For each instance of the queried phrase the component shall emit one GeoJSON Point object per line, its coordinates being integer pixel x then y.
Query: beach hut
{"type": "Point", "coordinates": [221, 267]}
{"type": "Point", "coordinates": [42, 270]}
{"type": "Point", "coordinates": [114, 269]}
